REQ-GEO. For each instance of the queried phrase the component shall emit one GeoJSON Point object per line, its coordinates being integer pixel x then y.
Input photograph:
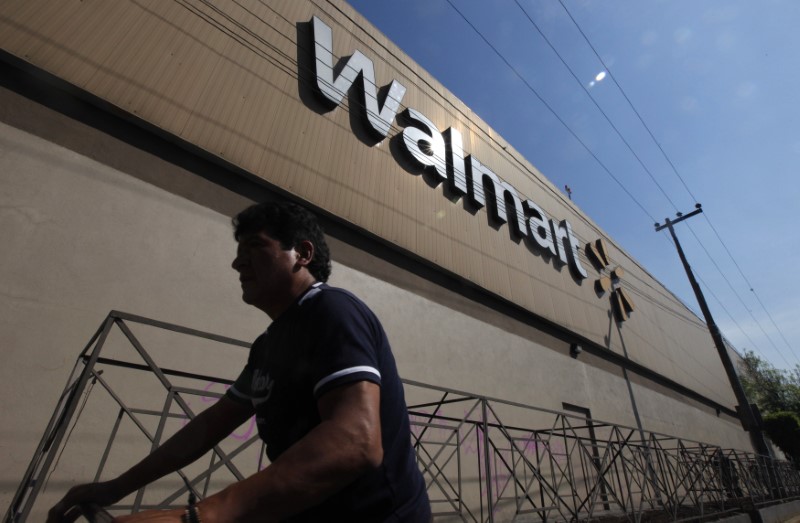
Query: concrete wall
{"type": "Point", "coordinates": [237, 82]}
{"type": "Point", "coordinates": [81, 238]}
{"type": "Point", "coordinates": [97, 213]}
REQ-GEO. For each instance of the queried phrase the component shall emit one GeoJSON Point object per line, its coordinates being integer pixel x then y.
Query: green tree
{"type": "Point", "coordinates": [773, 390]}
{"type": "Point", "coordinates": [777, 394]}
{"type": "Point", "coordinates": [783, 428]}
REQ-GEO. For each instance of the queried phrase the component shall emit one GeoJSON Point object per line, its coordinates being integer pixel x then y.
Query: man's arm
{"type": "Point", "coordinates": [345, 445]}
{"type": "Point", "coordinates": [191, 442]}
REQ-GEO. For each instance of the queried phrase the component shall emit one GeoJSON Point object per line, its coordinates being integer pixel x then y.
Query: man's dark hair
{"type": "Point", "coordinates": [290, 224]}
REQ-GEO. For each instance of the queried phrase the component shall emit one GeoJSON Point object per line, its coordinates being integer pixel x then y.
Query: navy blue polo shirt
{"type": "Point", "coordinates": [324, 340]}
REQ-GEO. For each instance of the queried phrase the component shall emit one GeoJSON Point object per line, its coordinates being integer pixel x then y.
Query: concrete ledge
{"type": "Point", "coordinates": [779, 513]}
{"type": "Point", "coordinates": [737, 518]}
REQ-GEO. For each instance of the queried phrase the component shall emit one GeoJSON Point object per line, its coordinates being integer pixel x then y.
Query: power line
{"type": "Point", "coordinates": [533, 90]}
{"type": "Point", "coordinates": [613, 126]}
{"type": "Point", "coordinates": [685, 185]}
{"type": "Point", "coordinates": [625, 95]}
{"type": "Point", "coordinates": [750, 286]}
{"type": "Point", "coordinates": [702, 245]}
{"type": "Point", "coordinates": [659, 291]}
{"type": "Point", "coordinates": [549, 108]}
{"type": "Point", "coordinates": [288, 70]}
{"type": "Point", "coordinates": [486, 137]}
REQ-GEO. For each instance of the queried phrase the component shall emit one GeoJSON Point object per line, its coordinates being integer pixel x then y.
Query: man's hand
{"type": "Point", "coordinates": [188, 444]}
{"type": "Point", "coordinates": [67, 510]}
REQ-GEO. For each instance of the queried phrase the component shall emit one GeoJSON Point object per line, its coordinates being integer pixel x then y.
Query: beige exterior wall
{"type": "Point", "coordinates": [84, 238]}
{"type": "Point", "coordinates": [89, 223]}
{"type": "Point", "coordinates": [79, 240]}
{"type": "Point", "coordinates": [239, 99]}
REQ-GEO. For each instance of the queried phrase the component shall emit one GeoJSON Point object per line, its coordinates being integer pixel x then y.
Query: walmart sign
{"type": "Point", "coordinates": [441, 152]}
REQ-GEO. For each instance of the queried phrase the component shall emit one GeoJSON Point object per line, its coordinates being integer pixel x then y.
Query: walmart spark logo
{"type": "Point", "coordinates": [610, 280]}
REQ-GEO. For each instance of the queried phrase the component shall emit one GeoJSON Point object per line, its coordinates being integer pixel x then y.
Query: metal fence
{"type": "Point", "coordinates": [484, 460]}
{"type": "Point", "coordinates": [480, 468]}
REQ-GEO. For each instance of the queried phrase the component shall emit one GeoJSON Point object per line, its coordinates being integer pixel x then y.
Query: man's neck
{"type": "Point", "coordinates": [298, 287]}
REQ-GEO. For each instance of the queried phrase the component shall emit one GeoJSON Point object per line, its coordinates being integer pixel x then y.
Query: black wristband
{"type": "Point", "coordinates": [192, 515]}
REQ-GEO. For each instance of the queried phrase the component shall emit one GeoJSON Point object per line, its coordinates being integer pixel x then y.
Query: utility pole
{"type": "Point", "coordinates": [750, 422]}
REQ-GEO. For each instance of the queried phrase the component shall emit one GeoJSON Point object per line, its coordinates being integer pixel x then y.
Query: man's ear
{"type": "Point", "coordinates": [305, 253]}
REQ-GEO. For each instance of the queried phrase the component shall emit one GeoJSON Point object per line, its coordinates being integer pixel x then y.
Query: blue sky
{"type": "Point", "coordinates": [714, 81]}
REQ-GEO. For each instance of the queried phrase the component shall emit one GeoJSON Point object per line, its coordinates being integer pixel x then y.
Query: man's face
{"type": "Point", "coordinates": [265, 270]}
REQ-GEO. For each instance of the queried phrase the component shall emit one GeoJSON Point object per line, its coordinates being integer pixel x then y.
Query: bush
{"type": "Point", "coordinates": [783, 428]}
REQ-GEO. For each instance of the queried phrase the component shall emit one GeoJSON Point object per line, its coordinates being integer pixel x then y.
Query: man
{"type": "Point", "coordinates": [323, 385]}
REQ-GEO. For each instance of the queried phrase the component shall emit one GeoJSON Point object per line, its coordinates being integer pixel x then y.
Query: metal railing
{"type": "Point", "coordinates": [578, 469]}
{"type": "Point", "coordinates": [480, 457]}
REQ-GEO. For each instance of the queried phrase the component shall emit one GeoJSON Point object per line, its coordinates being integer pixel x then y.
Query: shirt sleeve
{"type": "Point", "coordinates": [346, 348]}
{"type": "Point", "coordinates": [240, 390]}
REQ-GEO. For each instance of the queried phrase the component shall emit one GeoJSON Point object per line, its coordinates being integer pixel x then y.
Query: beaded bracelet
{"type": "Point", "coordinates": [192, 515]}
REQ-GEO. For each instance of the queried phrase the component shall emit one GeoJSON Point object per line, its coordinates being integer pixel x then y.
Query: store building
{"type": "Point", "coordinates": [130, 133]}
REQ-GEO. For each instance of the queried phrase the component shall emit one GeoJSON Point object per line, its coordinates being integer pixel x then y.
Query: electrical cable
{"type": "Point", "coordinates": [683, 317]}
{"type": "Point", "coordinates": [289, 58]}
{"type": "Point", "coordinates": [585, 90]}
{"type": "Point", "coordinates": [627, 144]}
{"type": "Point", "coordinates": [749, 285]}
{"type": "Point", "coordinates": [394, 127]}
{"type": "Point", "coordinates": [288, 70]}
{"type": "Point", "coordinates": [625, 95]}
{"type": "Point", "coordinates": [527, 84]}
{"type": "Point", "coordinates": [678, 175]}
{"type": "Point", "coordinates": [552, 111]}
{"type": "Point", "coordinates": [739, 297]}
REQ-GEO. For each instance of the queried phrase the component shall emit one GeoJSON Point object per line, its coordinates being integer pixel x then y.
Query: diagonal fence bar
{"type": "Point", "coordinates": [483, 459]}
